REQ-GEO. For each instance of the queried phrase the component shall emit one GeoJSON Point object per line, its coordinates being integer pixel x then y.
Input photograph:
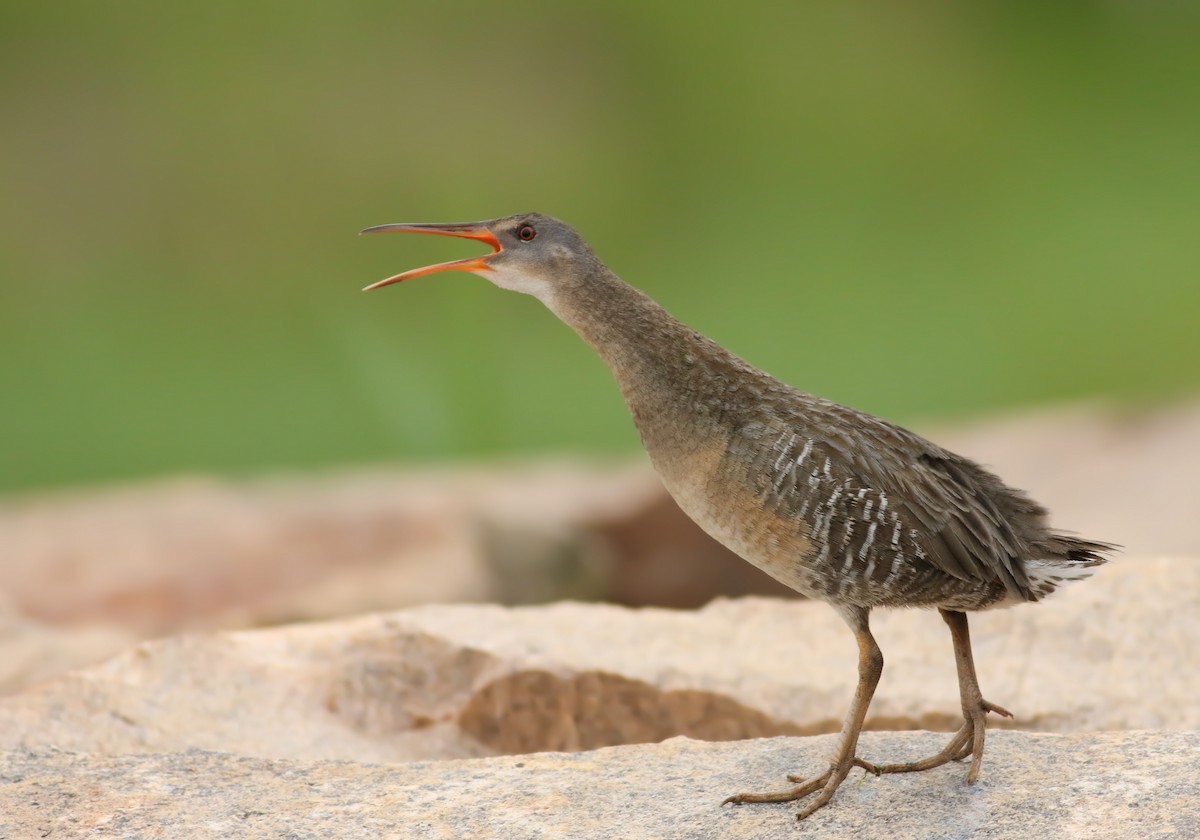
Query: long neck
{"type": "Point", "coordinates": [675, 381]}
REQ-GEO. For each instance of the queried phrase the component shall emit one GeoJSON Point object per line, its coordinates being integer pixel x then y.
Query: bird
{"type": "Point", "coordinates": [840, 505]}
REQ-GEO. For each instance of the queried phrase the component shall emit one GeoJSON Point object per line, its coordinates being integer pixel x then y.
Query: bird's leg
{"type": "Point", "coordinates": [969, 738]}
{"type": "Point", "coordinates": [870, 667]}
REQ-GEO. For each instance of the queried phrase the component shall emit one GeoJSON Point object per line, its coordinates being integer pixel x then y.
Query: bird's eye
{"type": "Point", "coordinates": [526, 232]}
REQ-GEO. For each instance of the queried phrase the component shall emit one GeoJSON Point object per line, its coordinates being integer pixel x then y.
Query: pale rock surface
{"type": "Point", "coordinates": [31, 652]}
{"type": "Point", "coordinates": [1096, 786]}
{"type": "Point", "coordinates": [1115, 652]}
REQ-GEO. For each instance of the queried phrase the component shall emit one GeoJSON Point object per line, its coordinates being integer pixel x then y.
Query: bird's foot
{"type": "Point", "coordinates": [826, 783]}
{"type": "Point", "coordinates": [856, 762]}
{"type": "Point", "coordinates": [968, 740]}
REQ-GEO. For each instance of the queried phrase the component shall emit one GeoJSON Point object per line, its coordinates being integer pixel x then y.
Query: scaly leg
{"type": "Point", "coordinates": [870, 667]}
{"type": "Point", "coordinates": [969, 739]}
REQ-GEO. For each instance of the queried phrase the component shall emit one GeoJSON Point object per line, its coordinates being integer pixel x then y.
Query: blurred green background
{"type": "Point", "coordinates": [924, 209]}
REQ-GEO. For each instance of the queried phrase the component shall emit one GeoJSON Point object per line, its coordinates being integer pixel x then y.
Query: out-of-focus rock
{"type": "Point", "coordinates": [1098, 786]}
{"type": "Point", "coordinates": [196, 554]}
{"type": "Point", "coordinates": [192, 554]}
{"type": "Point", "coordinates": [31, 652]}
{"type": "Point", "coordinates": [1115, 652]}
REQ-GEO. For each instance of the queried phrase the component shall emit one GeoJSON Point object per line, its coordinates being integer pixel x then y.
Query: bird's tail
{"type": "Point", "coordinates": [1062, 558]}
{"type": "Point", "coordinates": [1073, 551]}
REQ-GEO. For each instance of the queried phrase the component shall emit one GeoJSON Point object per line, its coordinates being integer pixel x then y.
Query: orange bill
{"type": "Point", "coordinates": [469, 230]}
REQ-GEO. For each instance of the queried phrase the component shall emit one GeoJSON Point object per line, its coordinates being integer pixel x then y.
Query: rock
{"type": "Point", "coordinates": [190, 554]}
{"type": "Point", "coordinates": [194, 554]}
{"type": "Point", "coordinates": [1100, 785]}
{"type": "Point", "coordinates": [31, 652]}
{"type": "Point", "coordinates": [200, 554]}
{"type": "Point", "coordinates": [1115, 652]}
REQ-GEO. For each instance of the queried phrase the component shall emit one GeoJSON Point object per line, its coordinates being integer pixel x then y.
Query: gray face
{"type": "Point", "coordinates": [535, 250]}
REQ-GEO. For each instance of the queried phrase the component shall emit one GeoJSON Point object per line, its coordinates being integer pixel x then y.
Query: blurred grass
{"type": "Point", "coordinates": [922, 209]}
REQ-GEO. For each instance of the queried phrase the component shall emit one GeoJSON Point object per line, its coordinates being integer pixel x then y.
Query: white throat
{"type": "Point", "coordinates": [507, 277]}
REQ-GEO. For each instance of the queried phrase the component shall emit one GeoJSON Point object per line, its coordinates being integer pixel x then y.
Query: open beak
{"type": "Point", "coordinates": [469, 230]}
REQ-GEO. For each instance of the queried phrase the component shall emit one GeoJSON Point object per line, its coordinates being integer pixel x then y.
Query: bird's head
{"type": "Point", "coordinates": [531, 253]}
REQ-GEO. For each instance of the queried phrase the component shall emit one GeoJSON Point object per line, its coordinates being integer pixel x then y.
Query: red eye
{"type": "Point", "coordinates": [526, 233]}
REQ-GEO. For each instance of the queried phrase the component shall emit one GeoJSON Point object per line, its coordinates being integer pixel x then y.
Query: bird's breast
{"type": "Point", "coordinates": [714, 491]}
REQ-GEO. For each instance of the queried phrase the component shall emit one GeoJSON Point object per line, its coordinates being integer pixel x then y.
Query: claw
{"type": "Point", "coordinates": [992, 707]}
